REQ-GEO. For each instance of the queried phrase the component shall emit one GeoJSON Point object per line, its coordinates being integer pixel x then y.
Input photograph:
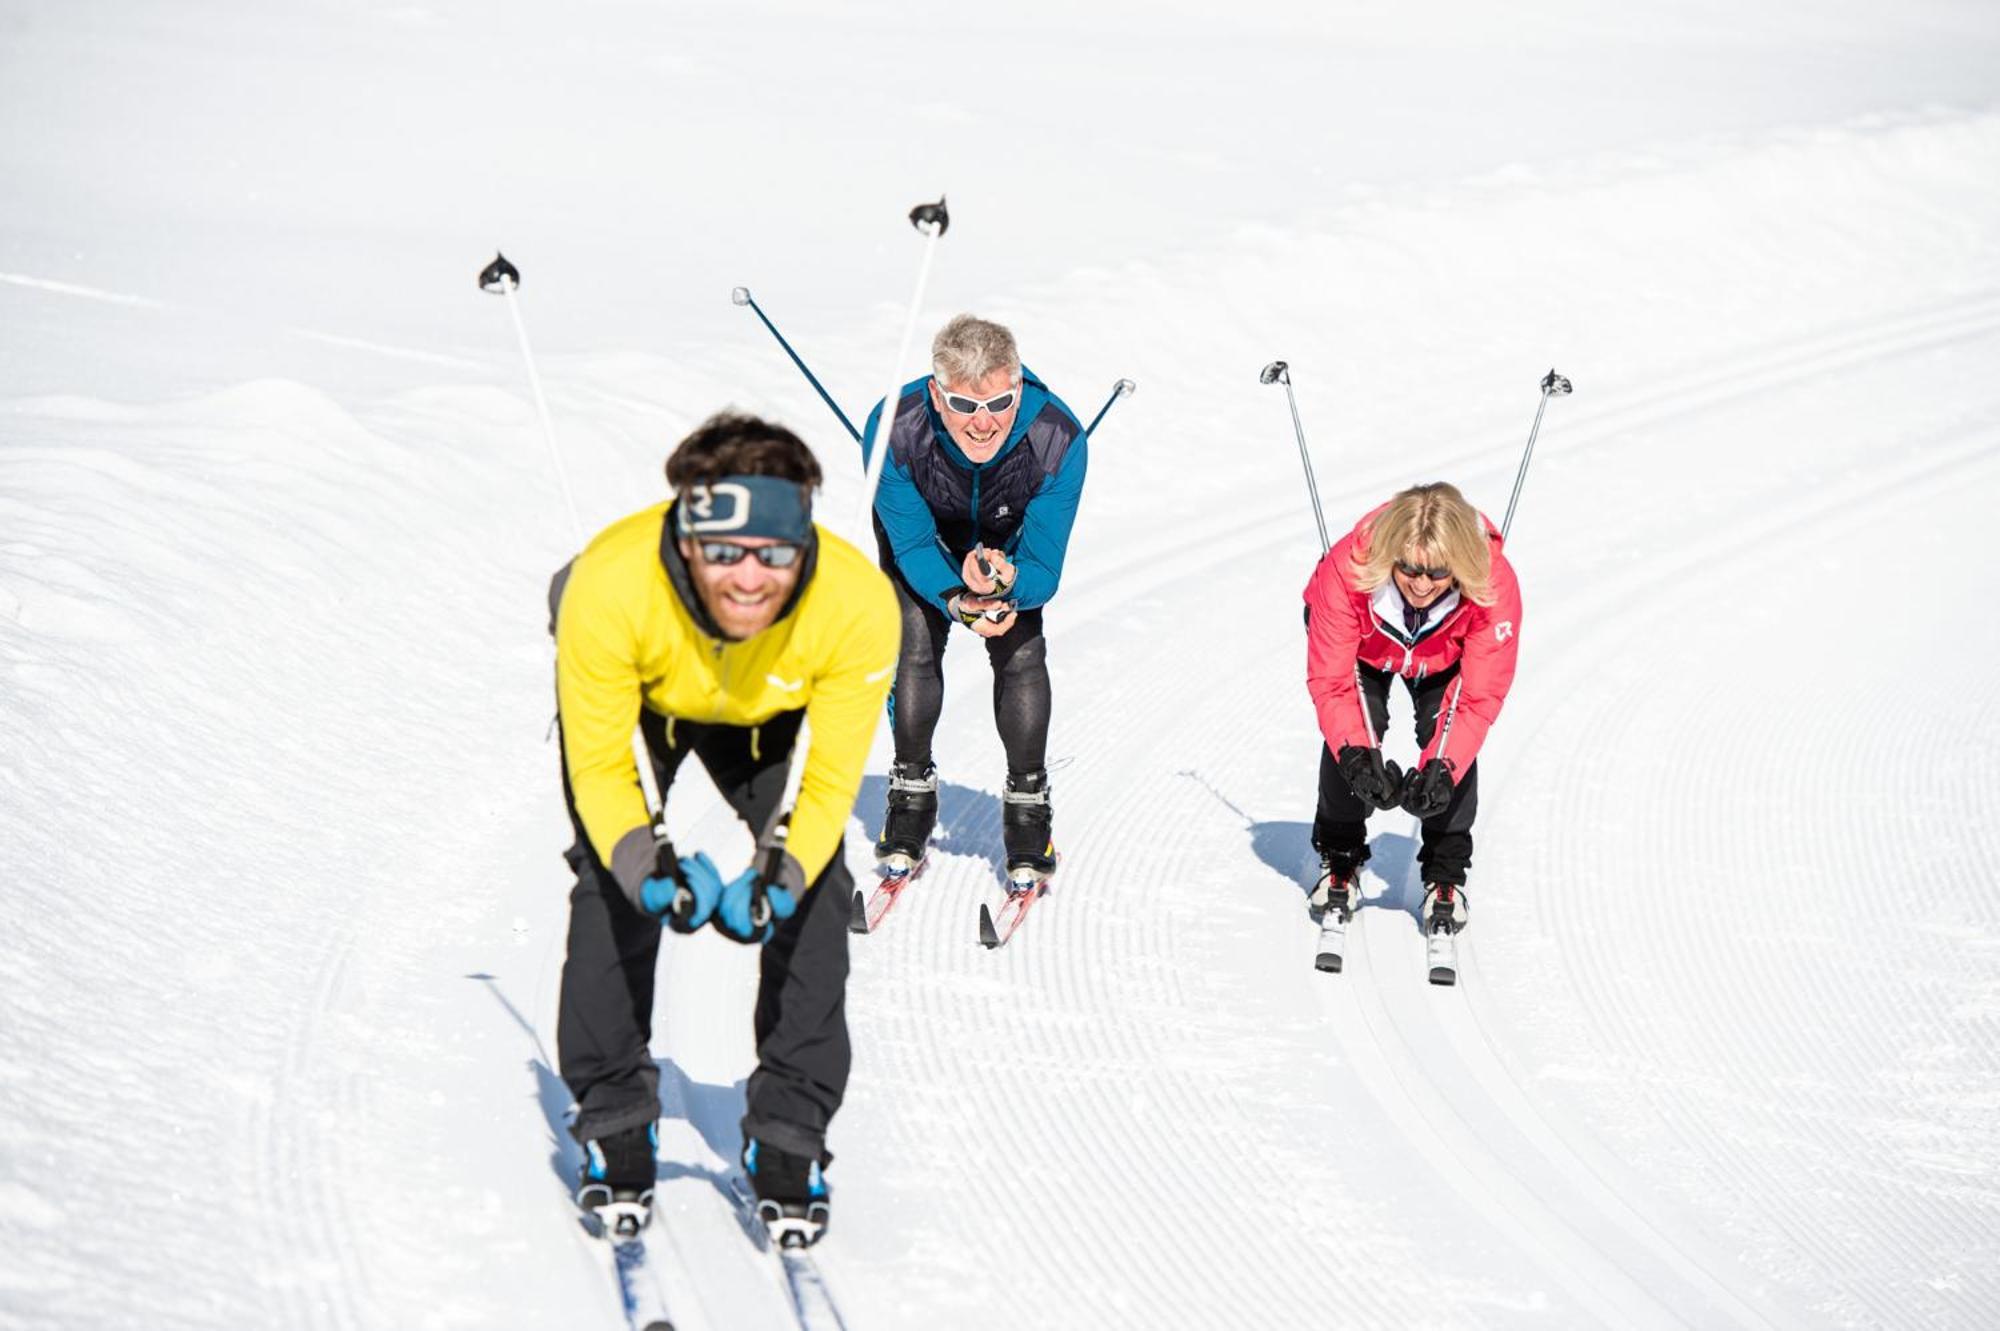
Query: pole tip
{"type": "Point", "coordinates": [1125, 388]}
{"type": "Point", "coordinates": [739, 295]}
{"type": "Point", "coordinates": [499, 277]}
{"type": "Point", "coordinates": [1277, 372]}
{"type": "Point", "coordinates": [1556, 384]}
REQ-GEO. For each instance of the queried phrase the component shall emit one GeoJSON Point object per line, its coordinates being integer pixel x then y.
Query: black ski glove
{"type": "Point", "coordinates": [1427, 789]}
{"type": "Point", "coordinates": [1372, 779]}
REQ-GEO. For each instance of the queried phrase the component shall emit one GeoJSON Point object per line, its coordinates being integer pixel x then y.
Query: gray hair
{"type": "Point", "coordinates": [968, 349]}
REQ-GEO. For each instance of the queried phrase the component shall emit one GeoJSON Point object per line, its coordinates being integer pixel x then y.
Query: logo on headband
{"type": "Point", "coordinates": [760, 506]}
{"type": "Point", "coordinates": [703, 500]}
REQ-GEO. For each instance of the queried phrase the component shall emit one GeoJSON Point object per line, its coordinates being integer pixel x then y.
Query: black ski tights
{"type": "Point", "coordinates": [1020, 686]}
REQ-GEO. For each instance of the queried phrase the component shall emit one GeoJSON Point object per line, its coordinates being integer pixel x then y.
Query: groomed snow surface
{"type": "Point", "coordinates": [284, 904]}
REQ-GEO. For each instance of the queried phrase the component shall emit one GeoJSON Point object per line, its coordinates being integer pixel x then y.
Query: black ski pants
{"type": "Point", "coordinates": [1340, 824]}
{"type": "Point", "coordinates": [605, 1024]}
{"type": "Point", "coordinates": [1021, 698]}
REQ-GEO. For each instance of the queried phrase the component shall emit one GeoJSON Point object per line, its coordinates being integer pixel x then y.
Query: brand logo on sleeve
{"type": "Point", "coordinates": [1503, 630]}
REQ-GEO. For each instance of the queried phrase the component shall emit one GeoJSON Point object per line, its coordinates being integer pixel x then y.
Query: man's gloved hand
{"type": "Point", "coordinates": [732, 913]}
{"type": "Point", "coordinates": [1427, 789]}
{"type": "Point", "coordinates": [993, 577]}
{"type": "Point", "coordinates": [703, 884]}
{"type": "Point", "coordinates": [1373, 779]}
{"type": "Point", "coordinates": [972, 611]}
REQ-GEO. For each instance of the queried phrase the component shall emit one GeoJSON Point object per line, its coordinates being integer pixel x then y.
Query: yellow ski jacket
{"type": "Point", "coordinates": [627, 637]}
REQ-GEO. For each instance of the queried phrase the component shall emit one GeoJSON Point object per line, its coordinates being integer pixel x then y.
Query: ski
{"type": "Point", "coordinates": [639, 1285]}
{"type": "Point", "coordinates": [811, 1299]}
{"type": "Point", "coordinates": [1443, 914]}
{"type": "Point", "coordinates": [1442, 946]}
{"type": "Point", "coordinates": [866, 914]}
{"type": "Point", "coordinates": [1021, 897]}
{"type": "Point", "coordinates": [1332, 941]}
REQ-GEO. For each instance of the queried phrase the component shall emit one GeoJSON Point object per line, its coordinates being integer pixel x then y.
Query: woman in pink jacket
{"type": "Point", "coordinates": [1418, 589]}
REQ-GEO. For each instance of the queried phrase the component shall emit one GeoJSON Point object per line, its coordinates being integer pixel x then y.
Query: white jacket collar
{"type": "Point", "coordinates": [1389, 605]}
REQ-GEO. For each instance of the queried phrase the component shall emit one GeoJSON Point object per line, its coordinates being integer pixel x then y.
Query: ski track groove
{"type": "Point", "coordinates": [1054, 956]}
{"type": "Point", "coordinates": [1440, 1133]}
{"type": "Point", "coordinates": [1575, 916]}
{"type": "Point", "coordinates": [1234, 1123]}
{"type": "Point", "coordinates": [307, 1213]}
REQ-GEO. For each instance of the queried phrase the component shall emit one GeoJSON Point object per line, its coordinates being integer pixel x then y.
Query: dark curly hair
{"type": "Point", "coordinates": [735, 443]}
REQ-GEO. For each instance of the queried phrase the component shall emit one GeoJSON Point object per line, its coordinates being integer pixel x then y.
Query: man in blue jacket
{"type": "Point", "coordinates": [978, 493]}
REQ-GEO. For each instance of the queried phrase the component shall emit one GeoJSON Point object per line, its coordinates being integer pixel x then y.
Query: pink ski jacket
{"type": "Point", "coordinates": [1346, 625]}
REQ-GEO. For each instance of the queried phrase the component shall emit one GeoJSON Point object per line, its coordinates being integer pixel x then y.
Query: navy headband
{"type": "Point", "coordinates": [768, 506]}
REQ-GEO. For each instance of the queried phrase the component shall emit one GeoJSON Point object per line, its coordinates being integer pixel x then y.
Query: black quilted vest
{"type": "Point", "coordinates": [982, 505]}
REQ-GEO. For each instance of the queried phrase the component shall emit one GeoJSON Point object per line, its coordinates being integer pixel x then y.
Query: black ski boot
{"type": "Point", "coordinates": [912, 814]}
{"type": "Point", "coordinates": [1025, 821]}
{"type": "Point", "coordinates": [792, 1197]}
{"type": "Point", "coordinates": [617, 1181]}
{"type": "Point", "coordinates": [1338, 887]}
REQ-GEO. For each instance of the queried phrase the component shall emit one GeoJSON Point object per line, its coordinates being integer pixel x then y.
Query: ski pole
{"type": "Point", "coordinates": [1553, 385]}
{"type": "Point", "coordinates": [742, 296]}
{"type": "Point", "coordinates": [1123, 388]}
{"type": "Point", "coordinates": [502, 278]}
{"type": "Point", "coordinates": [1277, 372]}
{"type": "Point", "coordinates": [930, 220]}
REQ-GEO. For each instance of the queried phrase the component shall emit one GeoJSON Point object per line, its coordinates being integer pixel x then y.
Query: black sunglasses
{"type": "Point", "coordinates": [1417, 571]}
{"type": "Point", "coordinates": [770, 556]}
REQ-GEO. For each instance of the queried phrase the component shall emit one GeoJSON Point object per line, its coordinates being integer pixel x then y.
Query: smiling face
{"type": "Point", "coordinates": [978, 434]}
{"type": "Point", "coordinates": [1421, 590]}
{"type": "Point", "coordinates": [743, 598]}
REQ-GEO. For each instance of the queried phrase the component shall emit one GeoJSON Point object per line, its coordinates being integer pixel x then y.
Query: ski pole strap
{"type": "Point", "coordinates": [667, 865]}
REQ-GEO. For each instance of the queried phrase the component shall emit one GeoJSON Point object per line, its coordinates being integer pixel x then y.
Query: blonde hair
{"type": "Point", "coordinates": [968, 349]}
{"type": "Point", "coordinates": [1435, 520]}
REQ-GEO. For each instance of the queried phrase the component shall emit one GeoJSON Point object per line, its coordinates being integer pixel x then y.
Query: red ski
{"type": "Point", "coordinates": [866, 914]}
{"type": "Point", "coordinates": [1021, 898]}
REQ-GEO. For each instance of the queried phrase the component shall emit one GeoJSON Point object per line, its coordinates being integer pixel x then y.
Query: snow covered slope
{"type": "Point", "coordinates": [281, 824]}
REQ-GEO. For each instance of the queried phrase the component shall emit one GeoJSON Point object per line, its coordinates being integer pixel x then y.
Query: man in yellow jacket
{"type": "Point", "coordinates": [716, 622]}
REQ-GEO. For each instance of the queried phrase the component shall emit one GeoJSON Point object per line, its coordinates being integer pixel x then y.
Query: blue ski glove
{"type": "Point", "coordinates": [683, 900]}
{"type": "Point", "coordinates": [732, 914]}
